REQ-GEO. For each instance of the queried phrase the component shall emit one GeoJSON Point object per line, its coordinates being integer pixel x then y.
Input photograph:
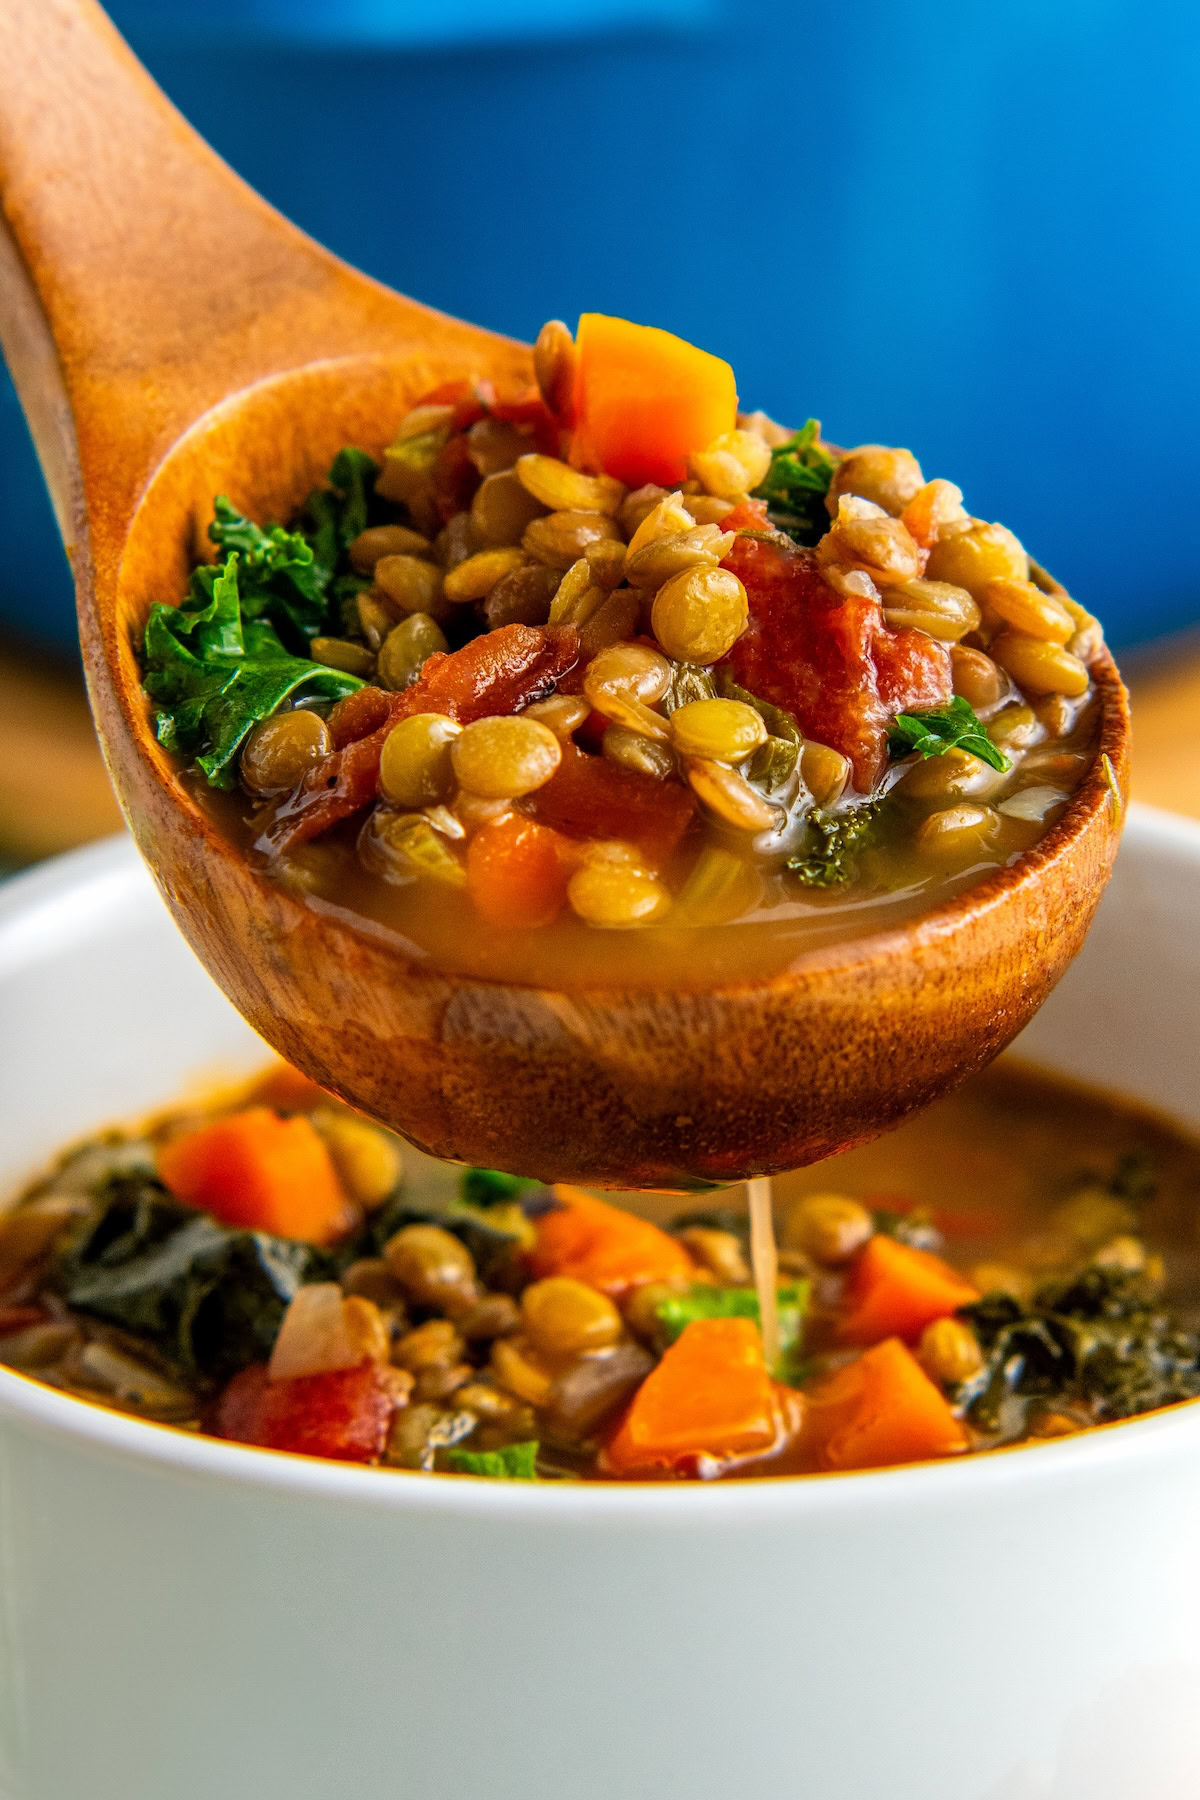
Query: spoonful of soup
{"type": "Point", "coordinates": [577, 773]}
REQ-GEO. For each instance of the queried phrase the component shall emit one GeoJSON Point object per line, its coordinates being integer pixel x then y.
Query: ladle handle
{"type": "Point", "coordinates": [140, 280]}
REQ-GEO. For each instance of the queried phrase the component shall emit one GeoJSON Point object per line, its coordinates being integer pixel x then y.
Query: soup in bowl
{"type": "Point", "coordinates": [215, 1613]}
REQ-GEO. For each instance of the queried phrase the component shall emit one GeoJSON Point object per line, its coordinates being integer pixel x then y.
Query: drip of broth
{"type": "Point", "coordinates": [764, 1261]}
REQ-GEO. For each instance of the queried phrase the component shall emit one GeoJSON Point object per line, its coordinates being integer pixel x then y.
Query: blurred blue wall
{"type": "Point", "coordinates": [965, 227]}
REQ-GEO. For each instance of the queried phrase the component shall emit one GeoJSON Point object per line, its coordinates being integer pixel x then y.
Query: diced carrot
{"type": "Point", "coordinates": [880, 1410]}
{"type": "Point", "coordinates": [609, 1248]}
{"type": "Point", "coordinates": [590, 797]}
{"type": "Point", "coordinates": [343, 1415]}
{"type": "Point", "coordinates": [260, 1171]}
{"type": "Point", "coordinates": [517, 872]}
{"type": "Point", "coordinates": [644, 400]}
{"type": "Point", "coordinates": [896, 1291]}
{"type": "Point", "coordinates": [710, 1396]}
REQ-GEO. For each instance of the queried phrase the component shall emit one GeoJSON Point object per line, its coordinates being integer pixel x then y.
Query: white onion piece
{"type": "Point", "coordinates": [1032, 803]}
{"type": "Point", "coordinates": [316, 1336]}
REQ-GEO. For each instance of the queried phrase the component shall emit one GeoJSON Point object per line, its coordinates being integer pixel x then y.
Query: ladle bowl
{"type": "Point", "coordinates": [172, 337]}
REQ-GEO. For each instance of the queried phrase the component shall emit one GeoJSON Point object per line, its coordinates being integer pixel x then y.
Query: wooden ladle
{"type": "Point", "coordinates": [172, 337]}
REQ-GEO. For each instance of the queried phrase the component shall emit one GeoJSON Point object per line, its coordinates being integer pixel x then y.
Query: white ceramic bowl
{"type": "Point", "coordinates": [182, 1619]}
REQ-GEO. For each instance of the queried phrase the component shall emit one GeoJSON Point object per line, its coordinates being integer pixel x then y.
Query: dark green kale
{"type": "Point", "coordinates": [208, 1297]}
{"type": "Point", "coordinates": [1098, 1341]}
{"type": "Point", "coordinates": [796, 484]}
{"type": "Point", "coordinates": [336, 514]}
{"type": "Point", "coordinates": [516, 1462]}
{"type": "Point", "coordinates": [675, 1312]}
{"type": "Point", "coordinates": [278, 578]}
{"type": "Point", "coordinates": [213, 672]}
{"type": "Point", "coordinates": [489, 1187]}
{"type": "Point", "coordinates": [772, 764]}
{"type": "Point", "coordinates": [840, 837]}
{"type": "Point", "coordinates": [942, 728]}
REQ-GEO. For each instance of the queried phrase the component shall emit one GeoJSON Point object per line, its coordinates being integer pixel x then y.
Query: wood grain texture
{"type": "Point", "coordinates": [203, 345]}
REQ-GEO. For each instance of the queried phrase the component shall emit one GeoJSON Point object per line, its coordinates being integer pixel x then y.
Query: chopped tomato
{"type": "Point", "coordinates": [455, 478]}
{"type": "Point", "coordinates": [711, 1398]}
{"type": "Point", "coordinates": [830, 661]}
{"type": "Point", "coordinates": [498, 672]}
{"type": "Point", "coordinates": [896, 1291]}
{"type": "Point", "coordinates": [880, 1410]}
{"type": "Point", "coordinates": [343, 1415]}
{"type": "Point", "coordinates": [645, 400]}
{"type": "Point", "coordinates": [589, 797]}
{"type": "Point", "coordinates": [517, 872]}
{"type": "Point", "coordinates": [255, 1169]}
{"type": "Point", "coordinates": [607, 1247]}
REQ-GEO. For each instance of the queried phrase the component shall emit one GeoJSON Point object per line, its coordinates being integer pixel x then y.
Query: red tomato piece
{"type": "Point", "coordinates": [343, 1416]}
{"type": "Point", "coordinates": [498, 672]}
{"type": "Point", "coordinates": [587, 797]}
{"type": "Point", "coordinates": [831, 662]}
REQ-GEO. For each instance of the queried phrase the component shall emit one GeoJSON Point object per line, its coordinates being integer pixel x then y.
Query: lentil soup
{"type": "Point", "coordinates": [607, 681]}
{"type": "Point", "coordinates": [1019, 1263]}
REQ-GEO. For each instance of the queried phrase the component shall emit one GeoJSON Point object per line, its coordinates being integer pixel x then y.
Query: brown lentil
{"type": "Point", "coordinates": [699, 615]}
{"type": "Point", "coordinates": [830, 1228]}
{"type": "Point", "coordinates": [407, 648]}
{"type": "Point", "coordinates": [280, 752]}
{"type": "Point", "coordinates": [415, 768]}
{"type": "Point", "coordinates": [503, 758]}
{"type": "Point", "coordinates": [562, 537]}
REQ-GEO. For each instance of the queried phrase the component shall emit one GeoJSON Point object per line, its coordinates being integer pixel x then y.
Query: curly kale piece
{"type": "Point", "coordinates": [841, 837]}
{"type": "Point", "coordinates": [213, 671]}
{"type": "Point", "coordinates": [796, 484]}
{"type": "Point", "coordinates": [1098, 1340]}
{"type": "Point", "coordinates": [208, 1297]}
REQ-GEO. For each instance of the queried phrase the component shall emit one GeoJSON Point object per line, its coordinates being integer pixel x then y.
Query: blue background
{"type": "Point", "coordinates": [966, 227]}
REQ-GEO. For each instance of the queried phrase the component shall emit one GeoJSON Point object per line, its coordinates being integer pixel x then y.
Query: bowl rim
{"type": "Point", "coordinates": [58, 900]}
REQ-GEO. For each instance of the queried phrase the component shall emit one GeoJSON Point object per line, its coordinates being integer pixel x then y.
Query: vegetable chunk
{"type": "Point", "coordinates": [343, 1415]}
{"type": "Point", "coordinates": [645, 400]}
{"type": "Point", "coordinates": [605, 1246]}
{"type": "Point", "coordinates": [896, 1291]}
{"type": "Point", "coordinates": [710, 1398]}
{"type": "Point", "coordinates": [881, 1410]}
{"type": "Point", "coordinates": [257, 1170]}
{"type": "Point", "coordinates": [517, 872]}
{"type": "Point", "coordinates": [829, 660]}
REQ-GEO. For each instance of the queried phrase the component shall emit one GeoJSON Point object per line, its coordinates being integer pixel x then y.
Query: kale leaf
{"type": "Point", "coordinates": [210, 1298]}
{"type": "Point", "coordinates": [1097, 1340]}
{"type": "Point", "coordinates": [675, 1312]}
{"type": "Point", "coordinates": [796, 484]}
{"type": "Point", "coordinates": [487, 1187]}
{"type": "Point", "coordinates": [214, 669]}
{"type": "Point", "coordinates": [279, 578]}
{"type": "Point", "coordinates": [835, 858]}
{"type": "Point", "coordinates": [516, 1462]}
{"type": "Point", "coordinates": [336, 514]}
{"type": "Point", "coordinates": [941, 728]}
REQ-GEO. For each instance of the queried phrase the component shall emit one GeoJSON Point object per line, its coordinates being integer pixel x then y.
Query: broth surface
{"type": "Point", "coordinates": [1020, 1262]}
